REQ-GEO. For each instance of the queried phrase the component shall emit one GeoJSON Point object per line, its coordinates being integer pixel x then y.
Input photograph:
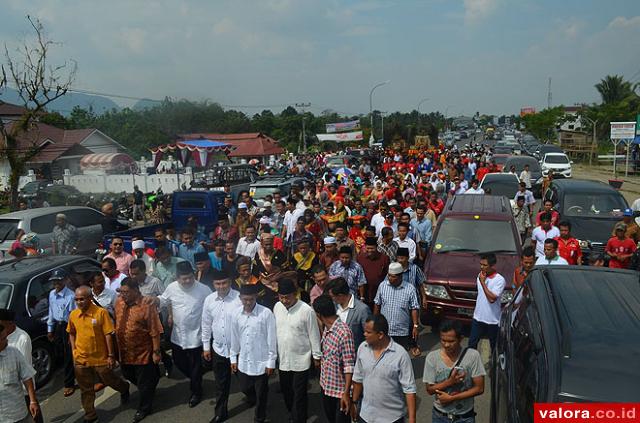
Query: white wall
{"type": "Point", "coordinates": [119, 183]}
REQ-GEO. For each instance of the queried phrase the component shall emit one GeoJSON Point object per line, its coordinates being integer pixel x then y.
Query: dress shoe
{"type": "Point", "coordinates": [194, 400]}
{"type": "Point", "coordinates": [218, 419]}
{"type": "Point", "coordinates": [124, 397]}
{"type": "Point", "coordinates": [140, 415]}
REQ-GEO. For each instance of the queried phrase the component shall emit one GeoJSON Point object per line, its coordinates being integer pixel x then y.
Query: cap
{"type": "Point", "coordinates": [627, 212]}
{"type": "Point", "coordinates": [329, 240]}
{"type": "Point", "coordinates": [138, 243]}
{"type": "Point", "coordinates": [389, 214]}
{"type": "Point", "coordinates": [371, 241]}
{"type": "Point", "coordinates": [184, 268]}
{"type": "Point", "coordinates": [620, 226]}
{"type": "Point", "coordinates": [267, 204]}
{"type": "Point", "coordinates": [265, 220]}
{"type": "Point", "coordinates": [7, 315]}
{"type": "Point", "coordinates": [286, 287]}
{"type": "Point", "coordinates": [395, 269]}
{"type": "Point", "coordinates": [393, 203]}
{"type": "Point", "coordinates": [201, 256]}
{"type": "Point", "coordinates": [249, 289]}
{"type": "Point", "coordinates": [242, 206]}
{"type": "Point", "coordinates": [58, 274]}
{"type": "Point", "coordinates": [402, 252]}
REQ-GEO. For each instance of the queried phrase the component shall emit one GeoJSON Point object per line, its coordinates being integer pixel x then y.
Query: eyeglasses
{"type": "Point", "coordinates": [116, 243]}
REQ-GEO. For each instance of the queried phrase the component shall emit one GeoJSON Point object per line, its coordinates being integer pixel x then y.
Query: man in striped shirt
{"type": "Point", "coordinates": [337, 362]}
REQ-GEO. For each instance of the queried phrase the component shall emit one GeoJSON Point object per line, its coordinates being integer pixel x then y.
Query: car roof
{"type": "Point", "coordinates": [16, 270]}
{"type": "Point", "coordinates": [554, 153]}
{"type": "Point", "coordinates": [478, 204]}
{"type": "Point", "coordinates": [598, 310]}
{"type": "Point", "coordinates": [500, 175]}
{"type": "Point", "coordinates": [575, 185]}
{"type": "Point", "coordinates": [527, 159]}
{"type": "Point", "coordinates": [41, 211]}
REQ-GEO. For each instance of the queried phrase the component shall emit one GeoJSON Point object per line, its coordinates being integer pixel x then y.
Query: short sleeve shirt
{"type": "Point", "coordinates": [14, 370]}
{"type": "Point", "coordinates": [485, 311]}
{"type": "Point", "coordinates": [90, 328]}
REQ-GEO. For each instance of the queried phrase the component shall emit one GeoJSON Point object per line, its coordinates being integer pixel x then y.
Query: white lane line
{"type": "Point", "coordinates": [106, 394]}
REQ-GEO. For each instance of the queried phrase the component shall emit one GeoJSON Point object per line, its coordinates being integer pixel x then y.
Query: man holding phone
{"type": "Point", "coordinates": [454, 375]}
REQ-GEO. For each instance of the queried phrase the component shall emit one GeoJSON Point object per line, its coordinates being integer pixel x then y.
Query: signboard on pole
{"type": "Point", "coordinates": [342, 126]}
{"type": "Point", "coordinates": [527, 111]}
{"type": "Point", "coordinates": [623, 130]}
{"type": "Point", "coordinates": [342, 137]}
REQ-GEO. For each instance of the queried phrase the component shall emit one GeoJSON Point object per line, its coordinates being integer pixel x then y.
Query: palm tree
{"type": "Point", "coordinates": [614, 89]}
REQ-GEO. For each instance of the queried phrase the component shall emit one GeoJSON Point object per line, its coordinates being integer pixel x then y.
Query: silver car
{"type": "Point", "coordinates": [42, 220]}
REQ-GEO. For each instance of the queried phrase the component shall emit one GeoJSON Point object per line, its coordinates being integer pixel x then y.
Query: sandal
{"type": "Point", "coordinates": [68, 392]}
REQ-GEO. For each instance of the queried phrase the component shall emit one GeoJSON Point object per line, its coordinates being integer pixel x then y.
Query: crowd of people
{"type": "Point", "coordinates": [327, 282]}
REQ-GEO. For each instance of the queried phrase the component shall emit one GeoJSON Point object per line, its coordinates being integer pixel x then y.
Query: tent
{"type": "Point", "coordinates": [200, 150]}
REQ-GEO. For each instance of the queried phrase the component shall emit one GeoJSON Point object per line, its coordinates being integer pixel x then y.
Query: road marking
{"type": "Point", "coordinates": [106, 394]}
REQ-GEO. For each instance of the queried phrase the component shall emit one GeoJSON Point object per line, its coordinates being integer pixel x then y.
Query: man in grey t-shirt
{"type": "Point", "coordinates": [454, 383]}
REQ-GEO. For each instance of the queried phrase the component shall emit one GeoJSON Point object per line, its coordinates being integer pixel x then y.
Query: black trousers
{"type": "Point", "coordinates": [294, 390]}
{"type": "Point", "coordinates": [331, 407]}
{"type": "Point", "coordinates": [189, 361]}
{"type": "Point", "coordinates": [222, 370]}
{"type": "Point", "coordinates": [145, 377]}
{"type": "Point", "coordinates": [256, 388]}
{"type": "Point", "coordinates": [63, 349]}
{"type": "Point", "coordinates": [480, 329]}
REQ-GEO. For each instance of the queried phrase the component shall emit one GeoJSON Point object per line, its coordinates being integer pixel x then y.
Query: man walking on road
{"type": "Point", "coordinates": [218, 313]}
{"type": "Point", "coordinates": [253, 349]}
{"type": "Point", "coordinates": [486, 316]}
{"type": "Point", "coordinates": [138, 331]}
{"type": "Point", "coordinates": [61, 304]}
{"type": "Point", "coordinates": [337, 363]}
{"type": "Point", "coordinates": [91, 336]}
{"type": "Point", "coordinates": [138, 205]}
{"type": "Point", "coordinates": [350, 310]}
{"type": "Point", "coordinates": [543, 232]}
{"type": "Point", "coordinates": [387, 396]}
{"type": "Point", "coordinates": [298, 339]}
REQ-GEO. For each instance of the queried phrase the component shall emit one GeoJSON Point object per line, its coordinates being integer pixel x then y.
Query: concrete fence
{"type": "Point", "coordinates": [124, 183]}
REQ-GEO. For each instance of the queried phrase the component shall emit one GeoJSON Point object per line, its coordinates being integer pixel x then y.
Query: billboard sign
{"type": "Point", "coordinates": [342, 137]}
{"type": "Point", "coordinates": [342, 126]}
{"type": "Point", "coordinates": [623, 130]}
{"type": "Point", "coordinates": [527, 111]}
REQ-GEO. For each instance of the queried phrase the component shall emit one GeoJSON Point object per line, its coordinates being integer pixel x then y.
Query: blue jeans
{"type": "Point", "coordinates": [478, 330]}
{"type": "Point", "coordinates": [439, 418]}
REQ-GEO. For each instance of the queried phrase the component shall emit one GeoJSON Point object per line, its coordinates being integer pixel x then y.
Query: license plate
{"type": "Point", "coordinates": [465, 311]}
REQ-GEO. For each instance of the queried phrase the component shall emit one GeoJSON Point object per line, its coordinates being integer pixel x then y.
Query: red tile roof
{"type": "Point", "coordinates": [8, 109]}
{"type": "Point", "coordinates": [252, 144]}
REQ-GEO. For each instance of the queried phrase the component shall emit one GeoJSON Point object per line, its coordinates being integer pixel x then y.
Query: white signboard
{"type": "Point", "coordinates": [342, 137]}
{"type": "Point", "coordinates": [623, 130]}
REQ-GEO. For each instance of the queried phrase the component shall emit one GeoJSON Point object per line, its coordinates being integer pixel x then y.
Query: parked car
{"type": "Point", "coordinates": [88, 221]}
{"type": "Point", "coordinates": [534, 167]}
{"type": "Point", "coordinates": [270, 185]}
{"type": "Point", "coordinates": [24, 288]}
{"type": "Point", "coordinates": [591, 207]}
{"type": "Point", "coordinates": [337, 162]}
{"type": "Point", "coordinates": [571, 334]}
{"type": "Point", "coordinates": [556, 163]}
{"type": "Point", "coordinates": [469, 226]}
{"type": "Point", "coordinates": [54, 194]}
{"type": "Point", "coordinates": [500, 160]}
{"type": "Point", "coordinates": [505, 184]}
{"type": "Point", "coordinates": [238, 177]}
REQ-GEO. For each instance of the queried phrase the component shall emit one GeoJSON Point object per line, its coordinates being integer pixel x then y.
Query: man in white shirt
{"type": "Point", "coordinates": [551, 256]}
{"type": "Point", "coordinates": [404, 241]}
{"type": "Point", "coordinates": [101, 294]}
{"type": "Point", "coordinates": [112, 276]}
{"type": "Point", "coordinates": [186, 298]}
{"type": "Point", "coordinates": [529, 200]}
{"type": "Point", "coordinates": [541, 233]}
{"type": "Point", "coordinates": [378, 219]}
{"type": "Point", "coordinates": [217, 319]}
{"type": "Point", "coordinates": [525, 176]}
{"type": "Point", "coordinates": [291, 216]}
{"type": "Point", "coordinates": [248, 245]}
{"type": "Point", "coordinates": [474, 188]}
{"type": "Point", "coordinates": [254, 349]}
{"type": "Point", "coordinates": [298, 339]}
{"type": "Point", "coordinates": [486, 316]}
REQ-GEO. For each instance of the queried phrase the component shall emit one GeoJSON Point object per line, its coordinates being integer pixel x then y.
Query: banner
{"type": "Point", "coordinates": [527, 111]}
{"type": "Point", "coordinates": [623, 130]}
{"type": "Point", "coordinates": [343, 137]}
{"type": "Point", "coordinates": [342, 126]}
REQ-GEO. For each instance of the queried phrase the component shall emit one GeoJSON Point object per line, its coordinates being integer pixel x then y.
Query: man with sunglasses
{"type": "Point", "coordinates": [122, 258]}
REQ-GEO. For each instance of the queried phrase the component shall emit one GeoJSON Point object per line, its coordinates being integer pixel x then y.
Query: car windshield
{"type": "Point", "coordinates": [593, 205]}
{"type": "Point", "coordinates": [335, 161]}
{"type": "Point", "coordinates": [475, 236]}
{"type": "Point", "coordinates": [8, 229]}
{"type": "Point", "coordinates": [519, 164]}
{"type": "Point", "coordinates": [30, 188]}
{"type": "Point", "coordinates": [261, 192]}
{"type": "Point", "coordinates": [500, 160]}
{"type": "Point", "coordinates": [556, 159]}
{"type": "Point", "coordinates": [501, 186]}
{"type": "Point", "coordinates": [5, 295]}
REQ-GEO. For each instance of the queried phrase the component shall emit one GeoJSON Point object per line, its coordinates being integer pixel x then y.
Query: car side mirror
{"type": "Point", "coordinates": [636, 213]}
{"type": "Point", "coordinates": [571, 162]}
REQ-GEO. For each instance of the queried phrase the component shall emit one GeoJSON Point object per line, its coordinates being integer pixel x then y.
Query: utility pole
{"type": "Point", "coordinates": [549, 94]}
{"type": "Point", "coordinates": [382, 119]}
{"type": "Point", "coordinates": [372, 138]}
{"type": "Point", "coordinates": [594, 124]}
{"type": "Point", "coordinates": [304, 134]}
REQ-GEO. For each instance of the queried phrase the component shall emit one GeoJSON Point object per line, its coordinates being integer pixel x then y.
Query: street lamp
{"type": "Point", "coordinates": [371, 138]}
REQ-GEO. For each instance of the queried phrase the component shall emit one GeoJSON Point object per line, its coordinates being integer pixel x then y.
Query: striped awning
{"type": "Point", "coordinates": [106, 161]}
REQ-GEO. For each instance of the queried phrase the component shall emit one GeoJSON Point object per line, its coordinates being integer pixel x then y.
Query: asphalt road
{"type": "Point", "coordinates": [173, 393]}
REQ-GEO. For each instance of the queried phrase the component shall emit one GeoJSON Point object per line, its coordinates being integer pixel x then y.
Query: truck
{"type": "Point", "coordinates": [203, 205]}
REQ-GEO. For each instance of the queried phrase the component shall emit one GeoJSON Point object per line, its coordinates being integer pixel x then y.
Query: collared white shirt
{"type": "Point", "coordinates": [107, 299]}
{"type": "Point", "coordinates": [253, 341]}
{"type": "Point", "coordinates": [21, 341]}
{"type": "Point", "coordinates": [298, 336]}
{"type": "Point", "coordinates": [409, 244]}
{"type": "Point", "coordinates": [343, 313]}
{"type": "Point", "coordinates": [114, 284]}
{"type": "Point", "coordinates": [474, 191]}
{"type": "Point", "coordinates": [186, 305]}
{"type": "Point", "coordinates": [217, 319]}
{"type": "Point", "coordinates": [485, 311]}
{"type": "Point", "coordinates": [543, 261]}
{"type": "Point", "coordinates": [14, 370]}
{"type": "Point", "coordinates": [247, 249]}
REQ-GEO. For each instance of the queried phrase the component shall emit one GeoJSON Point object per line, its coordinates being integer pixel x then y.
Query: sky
{"type": "Point", "coordinates": [490, 56]}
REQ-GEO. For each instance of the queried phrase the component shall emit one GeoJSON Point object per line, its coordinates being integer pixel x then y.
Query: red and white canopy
{"type": "Point", "coordinates": [106, 161]}
{"type": "Point", "coordinates": [201, 150]}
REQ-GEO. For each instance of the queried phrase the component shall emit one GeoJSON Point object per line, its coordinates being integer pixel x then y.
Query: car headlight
{"type": "Point", "coordinates": [437, 291]}
{"type": "Point", "coordinates": [506, 296]}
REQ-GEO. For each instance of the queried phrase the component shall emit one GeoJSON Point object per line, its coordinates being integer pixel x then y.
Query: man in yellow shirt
{"type": "Point", "coordinates": [91, 337]}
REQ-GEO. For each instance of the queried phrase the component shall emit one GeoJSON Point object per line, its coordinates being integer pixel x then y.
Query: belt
{"type": "Point", "coordinates": [452, 417]}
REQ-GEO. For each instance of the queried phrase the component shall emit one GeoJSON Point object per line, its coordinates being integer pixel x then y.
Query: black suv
{"type": "Point", "coordinates": [571, 334]}
{"type": "Point", "coordinates": [24, 288]}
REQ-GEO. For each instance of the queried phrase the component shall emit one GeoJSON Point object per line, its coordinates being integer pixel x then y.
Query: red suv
{"type": "Point", "coordinates": [469, 226]}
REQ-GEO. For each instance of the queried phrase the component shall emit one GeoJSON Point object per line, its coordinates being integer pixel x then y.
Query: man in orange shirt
{"type": "Point", "coordinates": [91, 337]}
{"type": "Point", "coordinates": [527, 261]}
{"type": "Point", "coordinates": [568, 246]}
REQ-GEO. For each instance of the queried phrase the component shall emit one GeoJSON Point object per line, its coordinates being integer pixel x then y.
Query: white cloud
{"type": "Point", "coordinates": [624, 22]}
{"type": "Point", "coordinates": [133, 38]}
{"type": "Point", "coordinates": [477, 10]}
{"type": "Point", "coordinates": [572, 29]}
{"type": "Point", "coordinates": [225, 26]}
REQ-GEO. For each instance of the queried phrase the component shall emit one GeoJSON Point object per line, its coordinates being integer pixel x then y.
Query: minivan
{"type": "Point", "coordinates": [469, 226]}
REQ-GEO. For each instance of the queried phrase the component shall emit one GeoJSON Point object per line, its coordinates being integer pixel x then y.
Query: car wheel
{"type": "Point", "coordinates": [42, 356]}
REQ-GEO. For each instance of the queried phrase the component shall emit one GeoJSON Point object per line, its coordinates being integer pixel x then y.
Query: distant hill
{"type": "Point", "coordinates": [145, 104]}
{"type": "Point", "coordinates": [65, 104]}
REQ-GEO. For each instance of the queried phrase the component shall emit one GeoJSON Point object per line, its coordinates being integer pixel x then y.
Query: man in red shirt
{"type": "Point", "coordinates": [620, 248]}
{"type": "Point", "coordinates": [548, 208]}
{"type": "Point", "coordinates": [436, 204]}
{"type": "Point", "coordinates": [568, 246]}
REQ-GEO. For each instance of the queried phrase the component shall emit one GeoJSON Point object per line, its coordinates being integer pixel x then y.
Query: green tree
{"type": "Point", "coordinates": [544, 123]}
{"type": "Point", "coordinates": [614, 89]}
